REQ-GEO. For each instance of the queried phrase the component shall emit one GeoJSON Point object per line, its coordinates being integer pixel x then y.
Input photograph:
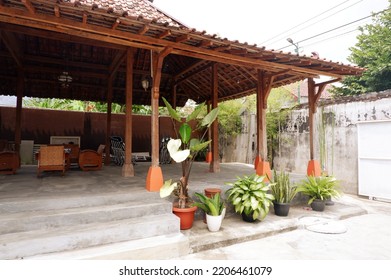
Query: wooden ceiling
{"type": "Point", "coordinates": [88, 39]}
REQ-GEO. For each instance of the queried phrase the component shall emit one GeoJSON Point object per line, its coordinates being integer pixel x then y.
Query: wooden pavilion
{"type": "Point", "coordinates": [102, 50]}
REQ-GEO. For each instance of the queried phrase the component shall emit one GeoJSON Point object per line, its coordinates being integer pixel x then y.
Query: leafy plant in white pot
{"type": "Point", "coordinates": [184, 150]}
{"type": "Point", "coordinates": [214, 209]}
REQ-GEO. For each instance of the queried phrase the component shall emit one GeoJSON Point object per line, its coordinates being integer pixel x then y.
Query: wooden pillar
{"type": "Point", "coordinates": [19, 98]}
{"type": "Point", "coordinates": [215, 163]}
{"type": "Point", "coordinates": [262, 166]}
{"type": "Point", "coordinates": [127, 168]}
{"type": "Point", "coordinates": [108, 120]}
{"type": "Point", "coordinates": [155, 176]}
{"type": "Point", "coordinates": [313, 168]}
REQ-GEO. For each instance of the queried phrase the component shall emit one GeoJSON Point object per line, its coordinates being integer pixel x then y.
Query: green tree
{"type": "Point", "coordinates": [373, 52]}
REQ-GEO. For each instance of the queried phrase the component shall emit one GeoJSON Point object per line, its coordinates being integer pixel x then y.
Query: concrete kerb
{"type": "Point", "coordinates": [234, 230]}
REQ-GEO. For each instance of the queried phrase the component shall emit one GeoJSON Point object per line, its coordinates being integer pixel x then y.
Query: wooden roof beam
{"type": "Point", "coordinates": [120, 37]}
{"type": "Point", "coordinates": [117, 61]}
{"type": "Point", "coordinates": [188, 69]}
{"type": "Point", "coordinates": [85, 18]}
{"type": "Point", "coordinates": [115, 24]}
{"type": "Point", "coordinates": [182, 38]}
{"type": "Point", "coordinates": [57, 11]}
{"type": "Point", "coordinates": [29, 6]}
{"type": "Point", "coordinates": [205, 43]}
{"type": "Point", "coordinates": [13, 47]}
{"type": "Point", "coordinates": [143, 30]}
{"type": "Point", "coordinates": [164, 34]}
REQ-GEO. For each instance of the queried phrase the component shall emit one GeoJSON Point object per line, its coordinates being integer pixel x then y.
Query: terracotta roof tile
{"type": "Point", "coordinates": [134, 8]}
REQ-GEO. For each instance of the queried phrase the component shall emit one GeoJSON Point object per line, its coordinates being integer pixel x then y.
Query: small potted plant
{"type": "Point", "coordinates": [318, 189]}
{"type": "Point", "coordinates": [250, 198]}
{"type": "Point", "coordinates": [213, 208]}
{"type": "Point", "coordinates": [184, 150]}
{"type": "Point", "coordinates": [283, 192]}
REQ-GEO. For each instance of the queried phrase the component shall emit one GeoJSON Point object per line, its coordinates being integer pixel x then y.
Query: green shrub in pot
{"type": "Point", "coordinates": [249, 196]}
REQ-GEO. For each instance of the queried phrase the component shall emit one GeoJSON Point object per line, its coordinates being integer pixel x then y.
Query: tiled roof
{"type": "Point", "coordinates": [92, 38]}
{"type": "Point", "coordinates": [130, 8]}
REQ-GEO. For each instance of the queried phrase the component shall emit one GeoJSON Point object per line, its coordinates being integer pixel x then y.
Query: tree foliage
{"type": "Point", "coordinates": [373, 52]}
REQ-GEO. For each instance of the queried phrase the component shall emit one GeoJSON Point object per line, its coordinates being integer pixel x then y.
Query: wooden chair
{"type": "Point", "coordinates": [90, 159]}
{"type": "Point", "coordinates": [73, 160]}
{"type": "Point", "coordinates": [9, 162]}
{"type": "Point", "coordinates": [51, 158]}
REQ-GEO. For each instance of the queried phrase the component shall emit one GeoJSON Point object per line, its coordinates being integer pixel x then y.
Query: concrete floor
{"type": "Point", "coordinates": [366, 224]}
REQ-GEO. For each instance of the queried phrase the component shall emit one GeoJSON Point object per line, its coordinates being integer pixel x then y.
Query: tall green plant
{"type": "Point", "coordinates": [281, 187]}
{"type": "Point", "coordinates": [184, 149]}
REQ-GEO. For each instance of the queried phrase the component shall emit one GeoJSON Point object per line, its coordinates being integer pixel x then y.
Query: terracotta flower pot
{"type": "Point", "coordinates": [186, 216]}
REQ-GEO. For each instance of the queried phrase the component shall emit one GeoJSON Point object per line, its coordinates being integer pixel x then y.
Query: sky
{"type": "Point", "coordinates": [269, 23]}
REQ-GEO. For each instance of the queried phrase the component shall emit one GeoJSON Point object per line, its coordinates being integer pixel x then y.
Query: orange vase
{"type": "Point", "coordinates": [186, 216]}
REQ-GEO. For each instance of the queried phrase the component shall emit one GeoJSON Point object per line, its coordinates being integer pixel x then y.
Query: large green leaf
{"type": "Point", "coordinates": [210, 117]}
{"type": "Point", "coordinates": [200, 146]}
{"type": "Point", "coordinates": [173, 114]}
{"type": "Point", "coordinates": [185, 132]}
{"type": "Point", "coordinates": [196, 112]}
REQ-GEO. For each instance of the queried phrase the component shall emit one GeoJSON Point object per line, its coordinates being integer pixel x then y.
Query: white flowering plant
{"type": "Point", "coordinates": [184, 149]}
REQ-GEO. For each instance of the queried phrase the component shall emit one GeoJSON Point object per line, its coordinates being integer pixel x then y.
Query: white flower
{"type": "Point", "coordinates": [173, 148]}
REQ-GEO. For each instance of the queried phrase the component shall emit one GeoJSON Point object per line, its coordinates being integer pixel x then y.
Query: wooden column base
{"type": "Point", "coordinates": [154, 179]}
{"type": "Point", "coordinates": [127, 170]}
{"type": "Point", "coordinates": [256, 161]}
{"type": "Point", "coordinates": [313, 168]}
{"type": "Point", "coordinates": [263, 168]}
{"type": "Point", "coordinates": [208, 157]}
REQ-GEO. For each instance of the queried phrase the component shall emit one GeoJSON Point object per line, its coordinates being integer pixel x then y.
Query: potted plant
{"type": "Point", "coordinates": [184, 150]}
{"type": "Point", "coordinates": [213, 208]}
{"type": "Point", "coordinates": [283, 192]}
{"type": "Point", "coordinates": [318, 189]}
{"type": "Point", "coordinates": [250, 198]}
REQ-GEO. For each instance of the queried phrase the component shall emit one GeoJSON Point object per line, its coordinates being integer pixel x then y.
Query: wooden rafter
{"type": "Point", "coordinates": [164, 34]}
{"type": "Point", "coordinates": [116, 63]}
{"type": "Point", "coordinates": [143, 30]}
{"type": "Point", "coordinates": [29, 6]}
{"type": "Point", "coordinates": [116, 23]}
{"type": "Point", "coordinates": [57, 12]}
{"type": "Point", "coordinates": [182, 38]}
{"type": "Point", "coordinates": [120, 37]}
{"type": "Point", "coordinates": [13, 47]}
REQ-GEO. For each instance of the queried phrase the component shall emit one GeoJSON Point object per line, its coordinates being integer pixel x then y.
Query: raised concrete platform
{"type": "Point", "coordinates": [97, 215]}
{"type": "Point", "coordinates": [234, 230]}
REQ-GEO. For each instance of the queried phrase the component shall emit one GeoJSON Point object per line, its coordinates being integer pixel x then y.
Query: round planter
{"type": "Point", "coordinates": [209, 192]}
{"type": "Point", "coordinates": [318, 205]}
{"type": "Point", "coordinates": [248, 218]}
{"type": "Point", "coordinates": [186, 216]}
{"type": "Point", "coordinates": [281, 209]}
{"type": "Point", "coordinates": [214, 222]}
